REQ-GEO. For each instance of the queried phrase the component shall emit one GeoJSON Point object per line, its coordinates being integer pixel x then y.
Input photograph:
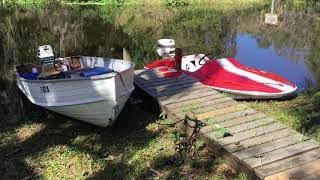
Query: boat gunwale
{"type": "Point", "coordinates": [97, 77]}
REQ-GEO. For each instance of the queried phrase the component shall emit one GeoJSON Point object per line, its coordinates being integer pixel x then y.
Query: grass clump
{"type": "Point", "coordinates": [301, 113]}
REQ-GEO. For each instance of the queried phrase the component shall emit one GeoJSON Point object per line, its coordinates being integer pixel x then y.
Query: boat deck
{"type": "Point", "coordinates": [257, 144]}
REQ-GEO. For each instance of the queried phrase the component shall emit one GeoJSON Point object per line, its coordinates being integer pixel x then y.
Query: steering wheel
{"type": "Point", "coordinates": [203, 61]}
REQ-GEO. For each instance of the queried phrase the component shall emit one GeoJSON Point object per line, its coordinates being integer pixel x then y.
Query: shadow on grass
{"type": "Point", "coordinates": [57, 131]}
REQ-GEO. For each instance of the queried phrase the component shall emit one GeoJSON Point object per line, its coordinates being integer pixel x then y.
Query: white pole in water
{"type": "Point", "coordinates": [272, 7]}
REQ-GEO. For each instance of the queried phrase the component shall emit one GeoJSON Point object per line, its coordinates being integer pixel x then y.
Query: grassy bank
{"type": "Point", "coordinates": [173, 3]}
{"type": "Point", "coordinates": [51, 146]}
{"type": "Point", "coordinates": [301, 113]}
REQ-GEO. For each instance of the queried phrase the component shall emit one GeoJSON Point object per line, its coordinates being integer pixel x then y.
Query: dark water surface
{"type": "Point", "coordinates": [290, 49]}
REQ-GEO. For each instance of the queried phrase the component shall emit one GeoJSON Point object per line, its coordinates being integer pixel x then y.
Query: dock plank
{"type": "Point", "coordinates": [217, 112]}
{"type": "Point", "coordinates": [257, 143]}
{"type": "Point", "coordinates": [240, 120]}
{"type": "Point", "coordinates": [198, 108]}
{"type": "Point", "coordinates": [176, 89]}
{"type": "Point", "coordinates": [234, 130]}
{"type": "Point", "coordinates": [172, 84]}
{"type": "Point", "coordinates": [306, 171]}
{"type": "Point", "coordinates": [254, 141]}
{"type": "Point", "coordinates": [198, 102]}
{"type": "Point", "coordinates": [169, 83]}
{"type": "Point", "coordinates": [270, 146]}
{"type": "Point", "coordinates": [215, 105]}
{"type": "Point", "coordinates": [289, 163]}
{"type": "Point", "coordinates": [282, 153]}
{"type": "Point", "coordinates": [145, 83]}
{"type": "Point", "coordinates": [230, 115]}
{"type": "Point", "coordinates": [251, 133]}
{"type": "Point", "coordinates": [185, 96]}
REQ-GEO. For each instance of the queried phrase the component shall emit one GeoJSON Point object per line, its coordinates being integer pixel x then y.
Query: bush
{"type": "Point", "coordinates": [176, 3]}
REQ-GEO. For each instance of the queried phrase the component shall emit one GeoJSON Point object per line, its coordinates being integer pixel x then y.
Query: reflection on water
{"type": "Point", "coordinates": [249, 53]}
{"type": "Point", "coordinates": [290, 49]}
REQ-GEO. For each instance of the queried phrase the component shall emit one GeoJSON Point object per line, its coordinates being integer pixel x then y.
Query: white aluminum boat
{"type": "Point", "coordinates": [95, 98]}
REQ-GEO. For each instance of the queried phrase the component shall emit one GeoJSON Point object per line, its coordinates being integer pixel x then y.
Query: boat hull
{"type": "Point", "coordinates": [228, 75]}
{"type": "Point", "coordinates": [97, 100]}
{"type": "Point", "coordinates": [100, 113]}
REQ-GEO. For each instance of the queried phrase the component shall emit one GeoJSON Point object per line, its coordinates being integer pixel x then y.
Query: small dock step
{"type": "Point", "coordinates": [259, 145]}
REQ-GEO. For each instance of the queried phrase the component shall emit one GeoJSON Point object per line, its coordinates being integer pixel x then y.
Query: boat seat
{"type": "Point", "coordinates": [95, 71]}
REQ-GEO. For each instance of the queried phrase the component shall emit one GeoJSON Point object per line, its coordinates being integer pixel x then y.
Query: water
{"type": "Point", "coordinates": [290, 49]}
{"type": "Point", "coordinates": [249, 53]}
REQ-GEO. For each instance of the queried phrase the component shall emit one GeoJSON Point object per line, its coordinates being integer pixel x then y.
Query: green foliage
{"type": "Point", "coordinates": [162, 115]}
{"type": "Point", "coordinates": [176, 3]}
{"type": "Point", "coordinates": [200, 144]}
{"type": "Point", "coordinates": [316, 99]}
{"type": "Point", "coordinates": [224, 131]}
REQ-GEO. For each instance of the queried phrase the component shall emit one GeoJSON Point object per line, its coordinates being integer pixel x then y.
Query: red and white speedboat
{"type": "Point", "coordinates": [228, 75]}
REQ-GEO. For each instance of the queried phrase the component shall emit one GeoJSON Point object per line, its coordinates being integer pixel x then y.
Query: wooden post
{"type": "Point", "coordinates": [272, 7]}
{"type": "Point", "coordinates": [177, 58]}
{"type": "Point", "coordinates": [190, 123]}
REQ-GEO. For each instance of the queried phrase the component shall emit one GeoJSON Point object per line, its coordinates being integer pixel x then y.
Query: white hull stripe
{"type": "Point", "coordinates": [228, 66]}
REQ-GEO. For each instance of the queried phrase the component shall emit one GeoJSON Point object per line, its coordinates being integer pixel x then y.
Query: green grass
{"type": "Point", "coordinates": [50, 146]}
{"type": "Point", "coordinates": [174, 3]}
{"type": "Point", "coordinates": [301, 113]}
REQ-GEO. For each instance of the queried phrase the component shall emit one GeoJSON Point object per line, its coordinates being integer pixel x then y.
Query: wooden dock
{"type": "Point", "coordinates": [258, 145]}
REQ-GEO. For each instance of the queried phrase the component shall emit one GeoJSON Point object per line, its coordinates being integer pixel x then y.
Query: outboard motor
{"type": "Point", "coordinates": [48, 65]}
{"type": "Point", "coordinates": [45, 55]}
{"type": "Point", "coordinates": [166, 48]}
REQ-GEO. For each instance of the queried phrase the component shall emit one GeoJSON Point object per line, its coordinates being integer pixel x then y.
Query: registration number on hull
{"type": "Point", "coordinates": [44, 89]}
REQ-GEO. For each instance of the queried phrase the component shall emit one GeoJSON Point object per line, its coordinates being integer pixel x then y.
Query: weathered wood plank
{"type": "Point", "coordinates": [194, 107]}
{"type": "Point", "coordinates": [289, 163]}
{"type": "Point", "coordinates": [231, 115]}
{"type": "Point", "coordinates": [195, 102]}
{"type": "Point", "coordinates": [250, 133]}
{"type": "Point", "coordinates": [215, 129]}
{"type": "Point", "coordinates": [185, 96]}
{"type": "Point", "coordinates": [308, 171]}
{"type": "Point", "coordinates": [177, 89]}
{"type": "Point", "coordinates": [215, 106]}
{"type": "Point", "coordinates": [162, 81]}
{"type": "Point", "coordinates": [173, 90]}
{"type": "Point", "coordinates": [198, 109]}
{"type": "Point", "coordinates": [254, 141]}
{"type": "Point", "coordinates": [145, 82]}
{"type": "Point", "coordinates": [205, 106]}
{"type": "Point", "coordinates": [166, 84]}
{"type": "Point", "coordinates": [240, 122]}
{"type": "Point", "coordinates": [226, 110]}
{"type": "Point", "coordinates": [270, 146]}
{"type": "Point", "coordinates": [282, 153]}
